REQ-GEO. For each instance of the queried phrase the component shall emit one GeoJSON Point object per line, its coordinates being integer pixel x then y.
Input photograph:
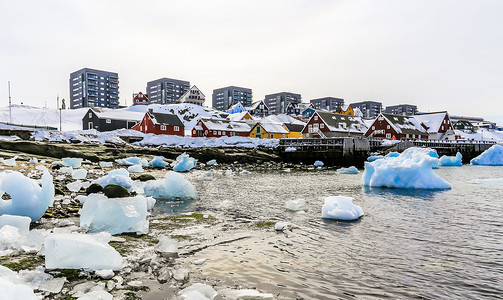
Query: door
{"type": "Point", "coordinates": [90, 125]}
{"type": "Point", "coordinates": [258, 136]}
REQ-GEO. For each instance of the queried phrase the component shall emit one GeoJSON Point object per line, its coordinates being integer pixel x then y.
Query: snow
{"type": "Point", "coordinates": [281, 118]}
{"type": "Point", "coordinates": [296, 205]}
{"type": "Point", "coordinates": [75, 251]}
{"type": "Point", "coordinates": [166, 245]}
{"type": "Point", "coordinates": [290, 149]}
{"type": "Point", "coordinates": [411, 169]}
{"type": "Point", "coordinates": [129, 161]}
{"type": "Point", "coordinates": [96, 295]}
{"type": "Point", "coordinates": [117, 176]}
{"type": "Point", "coordinates": [152, 140]}
{"type": "Point", "coordinates": [115, 215]}
{"type": "Point", "coordinates": [20, 222]}
{"type": "Point", "coordinates": [350, 170]}
{"type": "Point", "coordinates": [318, 163]}
{"type": "Point", "coordinates": [432, 120]}
{"type": "Point", "coordinates": [198, 291]}
{"type": "Point", "coordinates": [183, 163]}
{"type": "Point", "coordinates": [491, 157]}
{"type": "Point", "coordinates": [135, 169]}
{"type": "Point", "coordinates": [72, 162]}
{"type": "Point", "coordinates": [231, 294]}
{"type": "Point", "coordinates": [212, 162]}
{"type": "Point", "coordinates": [28, 198]}
{"type": "Point", "coordinates": [173, 186]}
{"type": "Point", "coordinates": [79, 174]}
{"type": "Point", "coordinates": [451, 161]}
{"type": "Point", "coordinates": [157, 162]}
{"type": "Point", "coordinates": [341, 208]}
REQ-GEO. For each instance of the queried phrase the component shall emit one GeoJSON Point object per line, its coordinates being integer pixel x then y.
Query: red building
{"type": "Point", "coordinates": [160, 123]}
{"type": "Point", "coordinates": [218, 128]}
{"type": "Point", "coordinates": [140, 99]}
{"type": "Point", "coordinates": [324, 124]}
{"type": "Point", "coordinates": [397, 127]}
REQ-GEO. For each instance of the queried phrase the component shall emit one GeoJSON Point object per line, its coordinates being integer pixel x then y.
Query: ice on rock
{"type": "Point", "coordinates": [180, 274]}
{"type": "Point", "coordinates": [54, 285]}
{"type": "Point", "coordinates": [106, 164]}
{"type": "Point", "coordinates": [27, 197]}
{"type": "Point", "coordinates": [173, 186]}
{"type": "Point", "coordinates": [340, 208]}
{"type": "Point", "coordinates": [491, 157]}
{"type": "Point", "coordinates": [166, 245]}
{"type": "Point", "coordinates": [212, 162]}
{"type": "Point", "coordinates": [96, 295]}
{"type": "Point", "coordinates": [452, 161]}
{"type": "Point", "coordinates": [105, 274]}
{"type": "Point", "coordinates": [114, 215]}
{"type": "Point", "coordinates": [133, 160]}
{"type": "Point", "coordinates": [413, 169]}
{"type": "Point", "coordinates": [66, 170]}
{"type": "Point", "coordinates": [350, 170]}
{"type": "Point", "coordinates": [76, 251]}
{"type": "Point", "coordinates": [318, 163]}
{"type": "Point", "coordinates": [33, 161]}
{"type": "Point", "coordinates": [15, 291]}
{"type": "Point", "coordinates": [20, 222]}
{"type": "Point", "coordinates": [296, 205]}
{"type": "Point", "coordinates": [183, 163]}
{"type": "Point", "coordinates": [11, 162]}
{"type": "Point", "coordinates": [232, 294]}
{"type": "Point", "coordinates": [117, 176]}
{"type": "Point", "coordinates": [135, 169]}
{"type": "Point", "coordinates": [198, 291]}
{"type": "Point", "coordinates": [79, 174]}
{"type": "Point", "coordinates": [74, 186]}
{"type": "Point", "coordinates": [73, 162]}
{"type": "Point", "coordinates": [158, 162]}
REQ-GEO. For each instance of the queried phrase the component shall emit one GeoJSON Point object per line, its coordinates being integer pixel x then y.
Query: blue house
{"type": "Point", "coordinates": [236, 108]}
{"type": "Point", "coordinates": [308, 112]}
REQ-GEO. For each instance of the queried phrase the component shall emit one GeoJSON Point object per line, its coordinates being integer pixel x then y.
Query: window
{"type": "Point", "coordinates": [381, 119]}
{"type": "Point", "coordinates": [388, 127]}
{"type": "Point", "coordinates": [284, 135]}
{"type": "Point", "coordinates": [316, 118]}
{"type": "Point", "coordinates": [109, 121]}
{"type": "Point", "coordinates": [176, 128]}
{"type": "Point", "coordinates": [271, 136]}
{"type": "Point", "coordinates": [258, 129]}
{"type": "Point", "coordinates": [163, 127]}
{"type": "Point", "coordinates": [214, 132]}
{"type": "Point", "coordinates": [442, 127]}
{"type": "Point", "coordinates": [90, 115]}
{"type": "Point", "coordinates": [407, 136]}
{"type": "Point", "coordinates": [315, 125]}
{"type": "Point", "coordinates": [373, 127]}
{"type": "Point", "coordinates": [388, 135]}
{"type": "Point", "coordinates": [413, 136]}
{"type": "Point", "coordinates": [219, 132]}
{"type": "Point", "coordinates": [322, 125]}
{"type": "Point", "coordinates": [194, 131]}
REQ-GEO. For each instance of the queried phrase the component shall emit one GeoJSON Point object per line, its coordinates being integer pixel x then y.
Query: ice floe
{"type": "Point", "coordinates": [73, 162]}
{"type": "Point", "coordinates": [341, 208]}
{"type": "Point", "coordinates": [296, 205]}
{"type": "Point", "coordinates": [451, 161]}
{"type": "Point", "coordinates": [350, 170]}
{"type": "Point", "coordinates": [158, 162]}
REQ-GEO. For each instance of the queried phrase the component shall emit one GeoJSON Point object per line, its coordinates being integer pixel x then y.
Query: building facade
{"type": "Point", "coordinates": [94, 88]}
{"type": "Point", "coordinates": [166, 90]}
{"type": "Point", "coordinates": [327, 103]}
{"type": "Point", "coordinates": [278, 102]}
{"type": "Point", "coordinates": [397, 127]}
{"type": "Point", "coordinates": [103, 119]}
{"type": "Point", "coordinates": [225, 97]}
{"type": "Point", "coordinates": [369, 109]}
{"type": "Point", "coordinates": [160, 123]}
{"type": "Point", "coordinates": [401, 109]}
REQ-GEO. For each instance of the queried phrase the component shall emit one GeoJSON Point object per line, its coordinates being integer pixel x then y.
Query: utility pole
{"type": "Point", "coordinates": [10, 107]}
{"type": "Point", "coordinates": [57, 97]}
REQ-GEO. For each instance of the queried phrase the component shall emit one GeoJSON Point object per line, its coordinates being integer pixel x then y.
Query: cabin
{"type": "Point", "coordinates": [103, 119]}
{"type": "Point", "coordinates": [464, 125]}
{"type": "Point", "coordinates": [140, 99]}
{"type": "Point", "coordinates": [242, 116]}
{"type": "Point", "coordinates": [207, 127]}
{"type": "Point", "coordinates": [160, 123]}
{"type": "Point", "coordinates": [296, 109]}
{"type": "Point", "coordinates": [323, 124]}
{"type": "Point", "coordinates": [192, 96]}
{"type": "Point", "coordinates": [396, 127]}
{"type": "Point", "coordinates": [294, 130]}
{"type": "Point", "coordinates": [345, 110]}
{"type": "Point", "coordinates": [258, 109]}
{"type": "Point", "coordinates": [268, 131]}
{"type": "Point", "coordinates": [236, 108]}
{"type": "Point", "coordinates": [437, 124]}
{"type": "Point", "coordinates": [308, 112]}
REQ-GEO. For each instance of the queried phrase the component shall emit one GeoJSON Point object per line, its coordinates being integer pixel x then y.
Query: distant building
{"type": "Point", "coordinates": [207, 127]}
{"type": "Point", "coordinates": [258, 109]}
{"type": "Point", "coordinates": [103, 119]}
{"type": "Point", "coordinates": [327, 103]}
{"type": "Point", "coordinates": [94, 88]}
{"type": "Point", "coordinates": [323, 124]}
{"type": "Point", "coordinates": [401, 109]}
{"type": "Point", "coordinates": [192, 96]}
{"type": "Point", "coordinates": [140, 99]}
{"type": "Point", "coordinates": [296, 109]}
{"type": "Point", "coordinates": [369, 109]}
{"type": "Point", "coordinates": [397, 127]}
{"type": "Point", "coordinates": [160, 123]}
{"type": "Point", "coordinates": [345, 110]}
{"type": "Point", "coordinates": [464, 125]}
{"type": "Point", "coordinates": [278, 102]}
{"type": "Point", "coordinates": [269, 131]}
{"type": "Point", "coordinates": [166, 90]}
{"type": "Point", "coordinates": [236, 108]}
{"type": "Point", "coordinates": [224, 98]}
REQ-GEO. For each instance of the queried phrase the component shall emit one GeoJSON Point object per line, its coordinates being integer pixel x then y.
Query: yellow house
{"type": "Point", "coordinates": [294, 130]}
{"type": "Point", "coordinates": [268, 131]}
{"type": "Point", "coordinates": [242, 116]}
{"type": "Point", "coordinates": [345, 110]}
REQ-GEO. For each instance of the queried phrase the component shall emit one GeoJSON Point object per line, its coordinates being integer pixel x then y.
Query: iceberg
{"type": "Point", "coordinates": [28, 198]}
{"type": "Point", "coordinates": [173, 186]}
{"type": "Point", "coordinates": [318, 163]}
{"type": "Point", "coordinates": [115, 215]}
{"type": "Point", "coordinates": [72, 162]}
{"type": "Point", "coordinates": [117, 176]}
{"type": "Point", "coordinates": [374, 158]}
{"type": "Point", "coordinates": [350, 170]}
{"type": "Point", "coordinates": [158, 162]}
{"type": "Point", "coordinates": [76, 250]}
{"type": "Point", "coordinates": [340, 208]}
{"type": "Point", "coordinates": [135, 169]}
{"type": "Point", "coordinates": [20, 222]}
{"type": "Point", "coordinates": [74, 186]}
{"type": "Point", "coordinates": [183, 163]}
{"type": "Point", "coordinates": [451, 161]}
{"type": "Point", "coordinates": [79, 174]}
{"type": "Point", "coordinates": [296, 205]}
{"type": "Point", "coordinates": [133, 160]}
{"type": "Point", "coordinates": [412, 169]}
{"type": "Point", "coordinates": [491, 157]}
{"type": "Point", "coordinates": [290, 149]}
{"type": "Point", "coordinates": [198, 291]}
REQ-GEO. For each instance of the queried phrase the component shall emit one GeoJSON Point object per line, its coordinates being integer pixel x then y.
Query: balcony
{"type": "Point", "coordinates": [92, 88]}
{"type": "Point", "coordinates": [92, 76]}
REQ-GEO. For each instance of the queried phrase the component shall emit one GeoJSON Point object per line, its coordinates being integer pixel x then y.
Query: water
{"type": "Point", "coordinates": [409, 244]}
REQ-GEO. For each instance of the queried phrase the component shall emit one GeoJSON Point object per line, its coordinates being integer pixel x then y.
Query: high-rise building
{"type": "Point", "coordinates": [225, 97]}
{"type": "Point", "coordinates": [94, 88]}
{"type": "Point", "coordinates": [327, 103]}
{"type": "Point", "coordinates": [277, 103]}
{"type": "Point", "coordinates": [369, 109]}
{"type": "Point", "coordinates": [166, 90]}
{"type": "Point", "coordinates": [401, 109]}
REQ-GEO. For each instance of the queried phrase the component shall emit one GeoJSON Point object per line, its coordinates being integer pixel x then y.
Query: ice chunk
{"type": "Point", "coordinates": [290, 149]}
{"type": "Point", "coordinates": [412, 169]}
{"type": "Point", "coordinates": [318, 163]}
{"type": "Point", "coordinates": [395, 154]}
{"type": "Point", "coordinates": [498, 181]}
{"type": "Point", "coordinates": [280, 226]}
{"type": "Point", "coordinates": [75, 251]}
{"type": "Point", "coordinates": [232, 294]}
{"type": "Point", "coordinates": [212, 162]}
{"type": "Point", "coordinates": [173, 186]}
{"type": "Point", "coordinates": [340, 208]}
{"type": "Point", "coordinates": [350, 170]}
{"type": "Point", "coordinates": [183, 163]}
{"type": "Point", "coordinates": [74, 186]}
{"type": "Point", "coordinates": [245, 172]}
{"type": "Point", "coordinates": [491, 157]}
{"type": "Point", "coordinates": [106, 164]}
{"type": "Point", "coordinates": [296, 205]}
{"type": "Point", "coordinates": [15, 291]}
{"type": "Point", "coordinates": [167, 245]}
{"type": "Point", "coordinates": [451, 161]}
{"type": "Point", "coordinates": [73, 162]}
{"type": "Point", "coordinates": [198, 291]}
{"type": "Point", "coordinates": [20, 222]}
{"type": "Point", "coordinates": [117, 176]}
{"type": "Point", "coordinates": [28, 198]}
{"type": "Point", "coordinates": [96, 295]}
{"type": "Point", "coordinates": [114, 215]}
{"type": "Point", "coordinates": [66, 170]}
{"type": "Point", "coordinates": [135, 169]}
{"type": "Point", "coordinates": [105, 274]}
{"type": "Point", "coordinates": [374, 158]}
{"type": "Point", "coordinates": [158, 162]}
{"type": "Point", "coordinates": [54, 285]}
{"type": "Point", "coordinates": [79, 174]}
{"type": "Point", "coordinates": [9, 235]}
{"type": "Point", "coordinates": [150, 202]}
{"type": "Point", "coordinates": [11, 162]}
{"type": "Point", "coordinates": [180, 274]}
{"type": "Point", "coordinates": [33, 161]}
{"type": "Point", "coordinates": [133, 160]}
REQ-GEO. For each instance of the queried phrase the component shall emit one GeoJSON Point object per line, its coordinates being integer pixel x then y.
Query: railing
{"type": "Point", "coordinates": [326, 142]}
{"type": "Point", "coordinates": [28, 126]}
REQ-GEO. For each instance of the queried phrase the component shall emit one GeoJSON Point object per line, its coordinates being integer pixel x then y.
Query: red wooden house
{"type": "Point", "coordinates": [140, 99]}
{"type": "Point", "coordinates": [326, 124]}
{"type": "Point", "coordinates": [217, 128]}
{"type": "Point", "coordinates": [160, 123]}
{"type": "Point", "coordinates": [396, 127]}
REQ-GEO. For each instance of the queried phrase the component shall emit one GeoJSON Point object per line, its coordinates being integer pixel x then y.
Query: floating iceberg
{"type": "Point", "coordinates": [412, 169]}
{"type": "Point", "coordinates": [28, 198]}
{"type": "Point", "coordinates": [115, 215]}
{"type": "Point", "coordinates": [79, 174]}
{"type": "Point", "coordinates": [318, 163]}
{"type": "Point", "coordinates": [374, 158]}
{"type": "Point", "coordinates": [491, 157]}
{"type": "Point", "coordinates": [350, 170]}
{"type": "Point", "coordinates": [73, 162]}
{"type": "Point", "coordinates": [451, 161]}
{"type": "Point", "coordinates": [393, 154]}
{"type": "Point", "coordinates": [173, 186]}
{"type": "Point", "coordinates": [135, 169]}
{"type": "Point", "coordinates": [296, 205]}
{"type": "Point", "coordinates": [75, 251]}
{"type": "Point", "coordinates": [158, 162]}
{"type": "Point", "coordinates": [117, 176]}
{"type": "Point", "coordinates": [183, 163]}
{"type": "Point", "coordinates": [290, 149]}
{"type": "Point", "coordinates": [341, 208]}
{"type": "Point", "coordinates": [244, 294]}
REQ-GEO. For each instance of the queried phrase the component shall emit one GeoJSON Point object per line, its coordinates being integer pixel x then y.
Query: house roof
{"type": "Point", "coordinates": [226, 125]}
{"type": "Point", "coordinates": [432, 121]}
{"type": "Point", "coordinates": [165, 119]}
{"type": "Point", "coordinates": [255, 105]}
{"type": "Point", "coordinates": [235, 105]}
{"type": "Point", "coordinates": [273, 128]}
{"type": "Point", "coordinates": [118, 114]}
{"type": "Point", "coordinates": [294, 127]}
{"type": "Point", "coordinates": [183, 97]}
{"type": "Point", "coordinates": [238, 116]}
{"type": "Point", "coordinates": [404, 124]}
{"type": "Point", "coordinates": [335, 122]}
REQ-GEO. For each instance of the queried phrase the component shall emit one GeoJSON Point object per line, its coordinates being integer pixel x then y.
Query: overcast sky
{"type": "Point", "coordinates": [438, 54]}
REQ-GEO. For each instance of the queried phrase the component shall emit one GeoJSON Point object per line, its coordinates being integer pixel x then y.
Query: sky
{"type": "Point", "coordinates": [436, 54]}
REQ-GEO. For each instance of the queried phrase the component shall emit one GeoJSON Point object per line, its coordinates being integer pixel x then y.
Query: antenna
{"type": "Point", "coordinates": [10, 107]}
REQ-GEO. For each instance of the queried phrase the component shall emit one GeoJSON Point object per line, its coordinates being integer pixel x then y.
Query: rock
{"type": "Point", "coordinates": [115, 191]}
{"type": "Point", "coordinates": [180, 274]}
{"type": "Point", "coordinates": [104, 274]}
{"type": "Point", "coordinates": [94, 188]}
{"type": "Point", "coordinates": [144, 177]}
{"type": "Point", "coordinates": [58, 191]}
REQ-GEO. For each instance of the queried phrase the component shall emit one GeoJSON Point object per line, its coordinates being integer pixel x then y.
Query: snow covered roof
{"type": "Point", "coordinates": [357, 112]}
{"type": "Point", "coordinates": [165, 119]}
{"type": "Point", "coordinates": [117, 114]}
{"type": "Point", "coordinates": [236, 105]}
{"type": "Point", "coordinates": [432, 121]}
{"type": "Point", "coordinates": [342, 123]}
{"type": "Point", "coordinates": [226, 125]}
{"type": "Point", "coordinates": [281, 118]}
{"type": "Point", "coordinates": [255, 105]}
{"type": "Point", "coordinates": [238, 116]}
{"type": "Point", "coordinates": [294, 127]}
{"type": "Point", "coordinates": [273, 128]}
{"type": "Point", "coordinates": [404, 124]}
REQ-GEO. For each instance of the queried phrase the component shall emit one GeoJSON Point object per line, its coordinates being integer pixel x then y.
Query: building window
{"type": "Point", "coordinates": [322, 125]}
{"type": "Point", "coordinates": [109, 121]}
{"type": "Point", "coordinates": [388, 135]}
{"type": "Point", "coordinates": [90, 115]}
{"type": "Point", "coordinates": [387, 127]}
{"type": "Point", "coordinates": [316, 118]}
{"type": "Point", "coordinates": [407, 136]}
{"type": "Point", "coordinates": [283, 135]}
{"type": "Point", "coordinates": [163, 127]}
{"type": "Point", "coordinates": [176, 128]}
{"type": "Point", "coordinates": [258, 129]}
{"type": "Point", "coordinates": [214, 132]}
{"type": "Point", "coordinates": [373, 127]}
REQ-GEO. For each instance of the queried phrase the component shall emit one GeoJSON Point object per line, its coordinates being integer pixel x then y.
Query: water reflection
{"type": "Point", "coordinates": [422, 194]}
{"type": "Point", "coordinates": [173, 207]}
